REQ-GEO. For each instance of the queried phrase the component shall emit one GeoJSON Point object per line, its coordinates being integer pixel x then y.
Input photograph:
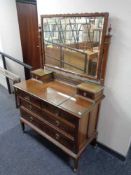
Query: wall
{"type": "Point", "coordinates": [115, 116]}
{"type": "Point", "coordinates": [9, 36]}
{"type": "Point", "coordinates": [2, 78]}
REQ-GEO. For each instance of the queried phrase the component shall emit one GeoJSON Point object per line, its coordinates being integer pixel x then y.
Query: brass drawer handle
{"type": "Point", "coordinates": [30, 107]}
{"type": "Point", "coordinates": [31, 118]}
{"type": "Point", "coordinates": [57, 136]}
{"type": "Point", "coordinates": [27, 98]}
{"type": "Point", "coordinates": [57, 123]}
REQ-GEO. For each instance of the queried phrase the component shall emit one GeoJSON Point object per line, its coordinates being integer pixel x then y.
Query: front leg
{"type": "Point", "coordinates": [16, 98]}
{"type": "Point", "coordinates": [22, 126]}
{"type": "Point", "coordinates": [75, 165]}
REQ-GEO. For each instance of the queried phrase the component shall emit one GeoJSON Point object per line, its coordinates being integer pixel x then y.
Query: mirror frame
{"type": "Point", "coordinates": [105, 15]}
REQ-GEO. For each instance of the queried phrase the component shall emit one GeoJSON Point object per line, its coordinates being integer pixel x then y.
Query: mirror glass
{"type": "Point", "coordinates": [73, 43]}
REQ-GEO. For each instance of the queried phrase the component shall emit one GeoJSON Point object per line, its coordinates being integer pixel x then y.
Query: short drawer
{"type": "Point", "coordinates": [68, 117]}
{"type": "Point", "coordinates": [45, 78]}
{"type": "Point", "coordinates": [51, 108]}
{"type": "Point", "coordinates": [85, 93]}
{"type": "Point", "coordinates": [48, 130]}
{"type": "Point", "coordinates": [31, 107]}
{"type": "Point", "coordinates": [28, 97]}
{"type": "Point", "coordinates": [59, 122]}
{"type": "Point", "coordinates": [59, 113]}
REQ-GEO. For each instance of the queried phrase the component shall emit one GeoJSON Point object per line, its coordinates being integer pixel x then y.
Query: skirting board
{"type": "Point", "coordinates": [114, 153]}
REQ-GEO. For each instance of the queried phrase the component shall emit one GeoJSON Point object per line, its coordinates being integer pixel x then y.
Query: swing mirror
{"type": "Point", "coordinates": [74, 42]}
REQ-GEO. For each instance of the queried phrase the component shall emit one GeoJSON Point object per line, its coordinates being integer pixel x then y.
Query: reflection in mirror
{"type": "Point", "coordinates": [73, 43]}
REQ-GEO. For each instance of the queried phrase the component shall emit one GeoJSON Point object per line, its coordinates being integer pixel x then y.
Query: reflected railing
{"type": "Point", "coordinates": [62, 61]}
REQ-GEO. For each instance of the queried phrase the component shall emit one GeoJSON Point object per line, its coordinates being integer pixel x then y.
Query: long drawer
{"type": "Point", "coordinates": [59, 122]}
{"type": "Point", "coordinates": [68, 142]}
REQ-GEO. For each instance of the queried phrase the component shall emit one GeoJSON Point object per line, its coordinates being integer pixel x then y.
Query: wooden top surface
{"type": "Point", "coordinates": [53, 92]}
{"type": "Point", "coordinates": [91, 87]}
{"type": "Point", "coordinates": [57, 93]}
{"type": "Point", "coordinates": [77, 105]}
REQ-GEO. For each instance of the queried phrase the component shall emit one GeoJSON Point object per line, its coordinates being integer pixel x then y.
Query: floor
{"type": "Point", "coordinates": [30, 154]}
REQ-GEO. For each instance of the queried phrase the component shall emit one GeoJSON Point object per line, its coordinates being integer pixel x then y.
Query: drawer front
{"type": "Point", "coordinates": [28, 97]}
{"type": "Point", "coordinates": [60, 123]}
{"type": "Point", "coordinates": [35, 76]}
{"type": "Point", "coordinates": [68, 116]}
{"type": "Point", "coordinates": [55, 111]}
{"type": "Point", "coordinates": [48, 130]}
{"type": "Point", "coordinates": [85, 94]}
{"type": "Point", "coordinates": [52, 109]}
{"type": "Point", "coordinates": [31, 107]}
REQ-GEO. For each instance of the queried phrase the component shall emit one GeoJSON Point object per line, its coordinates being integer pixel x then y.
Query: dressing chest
{"type": "Point", "coordinates": [60, 102]}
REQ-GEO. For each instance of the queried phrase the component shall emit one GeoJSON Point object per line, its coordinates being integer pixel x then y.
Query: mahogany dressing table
{"type": "Point", "coordinates": [62, 101]}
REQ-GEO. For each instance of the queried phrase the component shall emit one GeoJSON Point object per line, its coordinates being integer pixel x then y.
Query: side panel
{"type": "Point", "coordinates": [93, 121]}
